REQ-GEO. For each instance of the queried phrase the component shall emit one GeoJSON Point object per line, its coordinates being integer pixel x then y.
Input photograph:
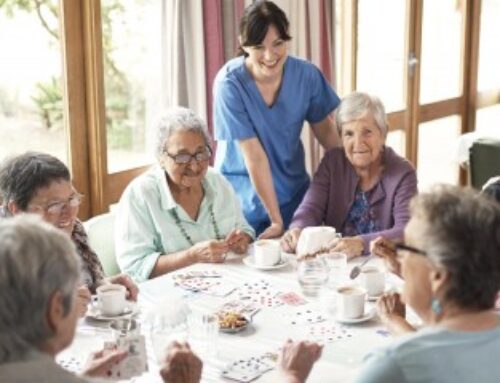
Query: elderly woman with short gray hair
{"type": "Point", "coordinates": [362, 189]}
{"type": "Point", "coordinates": [181, 211]}
{"type": "Point", "coordinates": [39, 311]}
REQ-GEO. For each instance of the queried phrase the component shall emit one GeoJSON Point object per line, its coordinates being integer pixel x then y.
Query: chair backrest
{"type": "Point", "coordinates": [100, 231]}
{"type": "Point", "coordinates": [484, 161]}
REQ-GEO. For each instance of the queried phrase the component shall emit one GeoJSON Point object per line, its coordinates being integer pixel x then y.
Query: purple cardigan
{"type": "Point", "coordinates": [331, 195]}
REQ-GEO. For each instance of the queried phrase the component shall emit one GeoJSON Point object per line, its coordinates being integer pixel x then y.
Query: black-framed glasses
{"type": "Point", "coordinates": [185, 158]}
{"type": "Point", "coordinates": [411, 249]}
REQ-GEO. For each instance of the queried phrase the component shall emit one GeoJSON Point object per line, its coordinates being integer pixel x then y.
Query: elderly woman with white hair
{"type": "Point", "coordinates": [362, 189]}
{"type": "Point", "coordinates": [181, 211]}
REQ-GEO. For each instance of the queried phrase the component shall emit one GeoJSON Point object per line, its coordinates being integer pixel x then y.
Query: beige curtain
{"type": "Point", "coordinates": [183, 56]}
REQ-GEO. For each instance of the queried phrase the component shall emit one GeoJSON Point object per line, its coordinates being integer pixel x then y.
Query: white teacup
{"type": "Point", "coordinates": [373, 280]}
{"type": "Point", "coordinates": [350, 302]}
{"type": "Point", "coordinates": [111, 299]}
{"type": "Point", "coordinates": [266, 252]}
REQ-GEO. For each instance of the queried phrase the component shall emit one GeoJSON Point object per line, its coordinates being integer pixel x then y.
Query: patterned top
{"type": "Point", "coordinates": [92, 271]}
{"type": "Point", "coordinates": [360, 219]}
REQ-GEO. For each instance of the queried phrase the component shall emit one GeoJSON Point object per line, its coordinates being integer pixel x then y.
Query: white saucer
{"type": "Point", "coordinates": [95, 314]}
{"type": "Point", "coordinates": [250, 261]}
{"type": "Point", "coordinates": [366, 317]}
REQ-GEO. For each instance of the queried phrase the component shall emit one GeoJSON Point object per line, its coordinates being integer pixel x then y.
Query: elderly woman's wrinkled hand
{"type": "Point", "coordinates": [101, 362]}
{"type": "Point", "coordinates": [125, 280]}
{"type": "Point", "coordinates": [83, 298]}
{"type": "Point", "coordinates": [290, 239]}
{"type": "Point", "coordinates": [297, 359]}
{"type": "Point", "coordinates": [389, 306]}
{"type": "Point", "coordinates": [352, 246]}
{"type": "Point", "coordinates": [181, 365]}
{"type": "Point", "coordinates": [385, 249]}
{"type": "Point", "coordinates": [238, 241]}
{"type": "Point", "coordinates": [211, 251]}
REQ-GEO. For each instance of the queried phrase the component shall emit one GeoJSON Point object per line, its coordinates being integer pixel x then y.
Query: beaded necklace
{"type": "Point", "coordinates": [184, 232]}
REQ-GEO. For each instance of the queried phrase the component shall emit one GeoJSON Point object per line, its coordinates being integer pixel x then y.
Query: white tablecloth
{"type": "Point", "coordinates": [268, 331]}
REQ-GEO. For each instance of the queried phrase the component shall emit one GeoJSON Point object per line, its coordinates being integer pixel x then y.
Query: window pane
{"type": "Point", "coordinates": [132, 62]}
{"type": "Point", "coordinates": [441, 50]}
{"type": "Point", "coordinates": [488, 121]}
{"type": "Point", "coordinates": [436, 162]}
{"type": "Point", "coordinates": [396, 139]}
{"type": "Point", "coordinates": [381, 51]}
{"type": "Point", "coordinates": [489, 54]}
{"type": "Point", "coordinates": [31, 105]}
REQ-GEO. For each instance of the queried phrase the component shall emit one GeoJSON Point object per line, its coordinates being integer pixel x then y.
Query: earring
{"type": "Point", "coordinates": [436, 306]}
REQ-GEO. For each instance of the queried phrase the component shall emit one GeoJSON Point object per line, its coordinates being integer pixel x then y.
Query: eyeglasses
{"type": "Point", "coordinates": [402, 246]}
{"type": "Point", "coordinates": [185, 158]}
{"type": "Point", "coordinates": [56, 208]}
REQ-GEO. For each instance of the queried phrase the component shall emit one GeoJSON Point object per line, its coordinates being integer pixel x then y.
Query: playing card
{"type": "Point", "coordinates": [259, 292]}
{"type": "Point", "coordinates": [326, 332]}
{"type": "Point", "coordinates": [71, 364]}
{"type": "Point", "coordinates": [291, 298]}
{"type": "Point", "coordinates": [246, 370]}
{"type": "Point", "coordinates": [135, 363]}
{"type": "Point", "coordinates": [243, 307]}
{"type": "Point", "coordinates": [304, 316]}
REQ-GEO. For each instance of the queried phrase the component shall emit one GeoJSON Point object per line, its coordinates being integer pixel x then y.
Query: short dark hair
{"type": "Point", "coordinates": [256, 20]}
{"type": "Point", "coordinates": [462, 235]}
{"type": "Point", "coordinates": [21, 176]}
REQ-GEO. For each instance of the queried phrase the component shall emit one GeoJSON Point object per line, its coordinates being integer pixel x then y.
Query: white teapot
{"type": "Point", "coordinates": [315, 239]}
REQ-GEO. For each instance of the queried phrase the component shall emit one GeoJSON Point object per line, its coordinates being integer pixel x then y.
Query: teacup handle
{"type": "Point", "coordinates": [95, 303]}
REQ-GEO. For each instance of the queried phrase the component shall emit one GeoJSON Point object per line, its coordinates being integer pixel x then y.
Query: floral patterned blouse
{"type": "Point", "coordinates": [360, 219]}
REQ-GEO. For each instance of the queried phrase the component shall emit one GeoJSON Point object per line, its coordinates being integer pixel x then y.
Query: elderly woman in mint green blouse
{"type": "Point", "coordinates": [181, 211]}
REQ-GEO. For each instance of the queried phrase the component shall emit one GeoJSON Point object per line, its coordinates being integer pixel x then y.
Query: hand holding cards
{"type": "Point", "coordinates": [135, 361]}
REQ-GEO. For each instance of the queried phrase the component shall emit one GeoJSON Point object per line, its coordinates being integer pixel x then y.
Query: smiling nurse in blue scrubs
{"type": "Point", "coordinates": [261, 100]}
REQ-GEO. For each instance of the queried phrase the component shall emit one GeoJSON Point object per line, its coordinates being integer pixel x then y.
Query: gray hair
{"type": "Point", "coordinates": [21, 176]}
{"type": "Point", "coordinates": [178, 119]}
{"type": "Point", "coordinates": [357, 105]}
{"type": "Point", "coordinates": [462, 235]}
{"type": "Point", "coordinates": [36, 261]}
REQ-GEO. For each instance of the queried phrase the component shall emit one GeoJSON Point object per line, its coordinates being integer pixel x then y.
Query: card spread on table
{"type": "Point", "coordinates": [246, 370]}
{"type": "Point", "coordinates": [198, 274]}
{"type": "Point", "coordinates": [259, 292]}
{"type": "Point", "coordinates": [243, 307]}
{"type": "Point", "coordinates": [211, 286]}
{"type": "Point", "coordinates": [291, 298]}
{"type": "Point", "coordinates": [326, 332]}
{"type": "Point", "coordinates": [305, 315]}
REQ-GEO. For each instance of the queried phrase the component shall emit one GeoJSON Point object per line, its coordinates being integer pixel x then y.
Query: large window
{"type": "Point", "coordinates": [132, 59]}
{"type": "Point", "coordinates": [31, 86]}
{"type": "Point", "coordinates": [83, 80]}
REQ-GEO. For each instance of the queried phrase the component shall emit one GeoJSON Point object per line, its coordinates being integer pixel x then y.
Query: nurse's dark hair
{"type": "Point", "coordinates": [21, 176]}
{"type": "Point", "coordinates": [461, 232]}
{"type": "Point", "coordinates": [256, 20]}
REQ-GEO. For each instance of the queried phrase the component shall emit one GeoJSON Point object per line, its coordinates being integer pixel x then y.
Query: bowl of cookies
{"type": "Point", "coordinates": [231, 321]}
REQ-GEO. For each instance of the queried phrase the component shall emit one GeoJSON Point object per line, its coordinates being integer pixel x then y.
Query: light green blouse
{"type": "Point", "coordinates": [146, 228]}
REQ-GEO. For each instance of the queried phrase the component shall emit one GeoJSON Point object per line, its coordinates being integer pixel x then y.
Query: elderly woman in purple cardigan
{"type": "Point", "coordinates": [362, 189]}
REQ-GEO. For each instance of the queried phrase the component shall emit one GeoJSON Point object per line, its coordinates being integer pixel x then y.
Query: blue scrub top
{"type": "Point", "coordinates": [241, 113]}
